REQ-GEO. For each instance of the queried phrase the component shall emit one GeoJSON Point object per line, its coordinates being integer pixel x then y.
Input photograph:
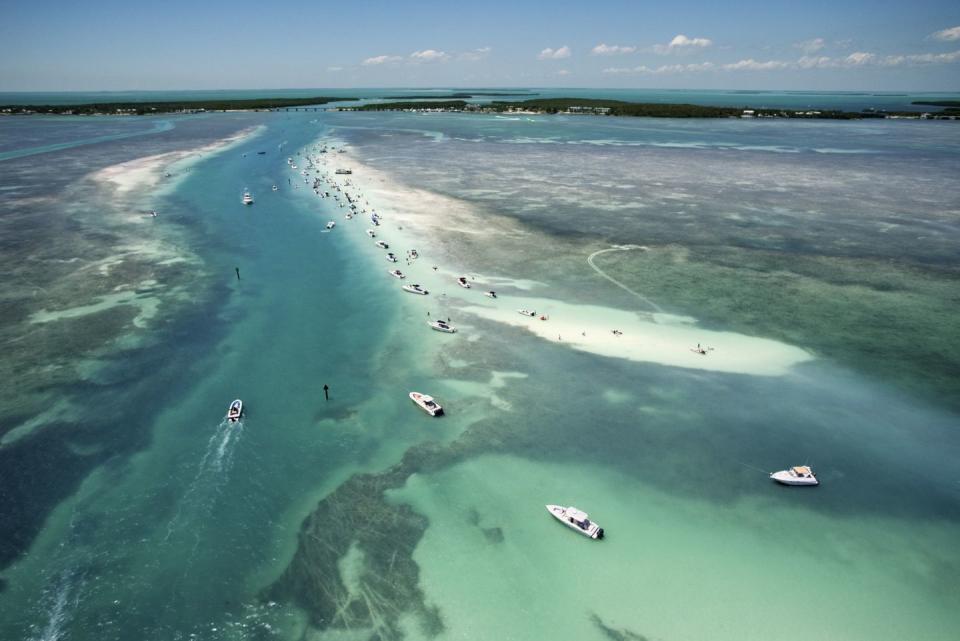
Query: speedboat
{"type": "Point", "coordinates": [426, 403]}
{"type": "Point", "coordinates": [235, 411]}
{"type": "Point", "coordinates": [414, 254]}
{"type": "Point", "coordinates": [797, 475]}
{"type": "Point", "coordinates": [415, 289]}
{"type": "Point", "coordinates": [462, 281]}
{"type": "Point", "coordinates": [576, 520]}
{"type": "Point", "coordinates": [490, 294]}
{"type": "Point", "coordinates": [382, 245]}
{"type": "Point", "coordinates": [274, 188]}
{"type": "Point", "coordinates": [527, 312]}
{"type": "Point", "coordinates": [331, 225]}
{"type": "Point", "coordinates": [396, 273]}
{"type": "Point", "coordinates": [442, 326]}
{"type": "Point", "coordinates": [371, 233]}
{"type": "Point", "coordinates": [391, 257]}
{"type": "Point", "coordinates": [247, 198]}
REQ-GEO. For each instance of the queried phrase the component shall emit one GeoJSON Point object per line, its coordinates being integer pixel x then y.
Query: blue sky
{"type": "Point", "coordinates": [111, 45]}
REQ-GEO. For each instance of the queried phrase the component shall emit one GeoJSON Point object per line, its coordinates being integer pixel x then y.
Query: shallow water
{"type": "Point", "coordinates": [360, 518]}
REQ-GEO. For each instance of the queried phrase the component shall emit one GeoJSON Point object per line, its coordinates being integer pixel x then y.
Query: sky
{"type": "Point", "coordinates": [709, 44]}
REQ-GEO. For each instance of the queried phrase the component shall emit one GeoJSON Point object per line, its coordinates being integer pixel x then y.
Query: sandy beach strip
{"type": "Point", "coordinates": [146, 173]}
{"type": "Point", "coordinates": [415, 218]}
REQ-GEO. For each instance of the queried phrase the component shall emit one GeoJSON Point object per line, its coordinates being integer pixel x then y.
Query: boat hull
{"type": "Point", "coordinates": [559, 512]}
{"type": "Point", "coordinates": [784, 477]}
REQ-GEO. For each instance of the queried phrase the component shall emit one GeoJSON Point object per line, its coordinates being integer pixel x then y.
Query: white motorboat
{"type": "Point", "coordinates": [490, 294]}
{"type": "Point", "coordinates": [391, 257]}
{"type": "Point", "coordinates": [442, 326]}
{"type": "Point", "coordinates": [275, 188]}
{"type": "Point", "coordinates": [371, 233]}
{"type": "Point", "coordinates": [414, 254]}
{"type": "Point", "coordinates": [576, 520]}
{"type": "Point", "coordinates": [331, 225]}
{"type": "Point", "coordinates": [426, 403]}
{"type": "Point", "coordinates": [415, 289]}
{"type": "Point", "coordinates": [247, 198]}
{"type": "Point", "coordinates": [462, 281]}
{"type": "Point", "coordinates": [396, 273]}
{"type": "Point", "coordinates": [527, 312]}
{"type": "Point", "coordinates": [382, 245]}
{"type": "Point", "coordinates": [797, 475]}
{"type": "Point", "coordinates": [235, 412]}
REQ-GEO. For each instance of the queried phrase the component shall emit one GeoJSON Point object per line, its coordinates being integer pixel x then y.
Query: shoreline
{"type": "Point", "coordinates": [146, 173]}
{"type": "Point", "coordinates": [642, 336]}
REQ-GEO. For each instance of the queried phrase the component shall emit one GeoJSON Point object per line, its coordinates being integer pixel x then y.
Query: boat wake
{"type": "Point", "coordinates": [57, 602]}
{"type": "Point", "coordinates": [652, 305]}
{"type": "Point", "coordinates": [212, 475]}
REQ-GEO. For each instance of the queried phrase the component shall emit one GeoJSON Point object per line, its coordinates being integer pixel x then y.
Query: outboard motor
{"type": "Point", "coordinates": [599, 534]}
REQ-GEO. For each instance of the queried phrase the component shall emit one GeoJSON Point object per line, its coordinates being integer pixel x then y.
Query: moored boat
{"type": "Point", "coordinates": [235, 411]}
{"type": "Point", "coordinates": [331, 225]}
{"type": "Point", "coordinates": [576, 520]}
{"type": "Point", "coordinates": [415, 289]}
{"type": "Point", "coordinates": [527, 312]}
{"type": "Point", "coordinates": [371, 233]}
{"type": "Point", "coordinates": [462, 281]}
{"type": "Point", "coordinates": [382, 245]}
{"type": "Point", "coordinates": [426, 403]}
{"type": "Point", "coordinates": [442, 326]}
{"type": "Point", "coordinates": [797, 475]}
{"type": "Point", "coordinates": [490, 294]}
{"type": "Point", "coordinates": [391, 257]}
{"type": "Point", "coordinates": [247, 198]}
{"type": "Point", "coordinates": [396, 273]}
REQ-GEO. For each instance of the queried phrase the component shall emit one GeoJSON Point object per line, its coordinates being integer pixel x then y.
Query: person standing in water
{"type": "Point", "coordinates": [238, 272]}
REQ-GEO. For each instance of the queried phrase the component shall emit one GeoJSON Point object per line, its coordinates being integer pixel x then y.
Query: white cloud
{"type": "Point", "coordinates": [815, 62]}
{"type": "Point", "coordinates": [429, 55]}
{"type": "Point", "coordinates": [754, 65]}
{"type": "Point", "coordinates": [475, 54]}
{"type": "Point", "coordinates": [922, 59]}
{"type": "Point", "coordinates": [555, 54]}
{"type": "Point", "coordinates": [334, 68]}
{"type": "Point", "coordinates": [859, 58]}
{"type": "Point", "coordinates": [811, 46]}
{"type": "Point", "coordinates": [949, 35]}
{"type": "Point", "coordinates": [563, 72]}
{"type": "Point", "coordinates": [379, 60]}
{"type": "Point", "coordinates": [611, 50]}
{"type": "Point", "coordinates": [662, 69]}
{"type": "Point", "coordinates": [680, 43]}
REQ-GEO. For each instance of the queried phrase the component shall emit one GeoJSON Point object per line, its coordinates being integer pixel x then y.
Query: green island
{"type": "Point", "coordinates": [165, 107]}
{"type": "Point", "coordinates": [590, 106]}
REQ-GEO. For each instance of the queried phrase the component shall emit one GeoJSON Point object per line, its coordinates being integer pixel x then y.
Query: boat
{"type": "Point", "coordinates": [391, 257]}
{"type": "Point", "coordinates": [396, 273]}
{"type": "Point", "coordinates": [371, 233]}
{"type": "Point", "coordinates": [414, 254]}
{"type": "Point", "coordinates": [415, 289]}
{"type": "Point", "coordinates": [442, 326]}
{"type": "Point", "coordinates": [344, 172]}
{"type": "Point", "coordinates": [247, 198]}
{"type": "Point", "coordinates": [426, 403]}
{"type": "Point", "coordinates": [274, 188]}
{"type": "Point", "coordinates": [462, 281]}
{"type": "Point", "coordinates": [382, 245]}
{"type": "Point", "coordinates": [797, 475]}
{"type": "Point", "coordinates": [331, 225]}
{"type": "Point", "coordinates": [261, 153]}
{"type": "Point", "coordinates": [490, 294]}
{"type": "Point", "coordinates": [576, 520]}
{"type": "Point", "coordinates": [235, 412]}
{"type": "Point", "coordinates": [527, 312]}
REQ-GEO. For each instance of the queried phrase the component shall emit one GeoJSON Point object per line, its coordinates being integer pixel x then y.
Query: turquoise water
{"type": "Point", "coordinates": [134, 511]}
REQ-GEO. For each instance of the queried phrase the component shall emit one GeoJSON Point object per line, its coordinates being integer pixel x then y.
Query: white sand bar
{"type": "Point", "coordinates": [647, 338]}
